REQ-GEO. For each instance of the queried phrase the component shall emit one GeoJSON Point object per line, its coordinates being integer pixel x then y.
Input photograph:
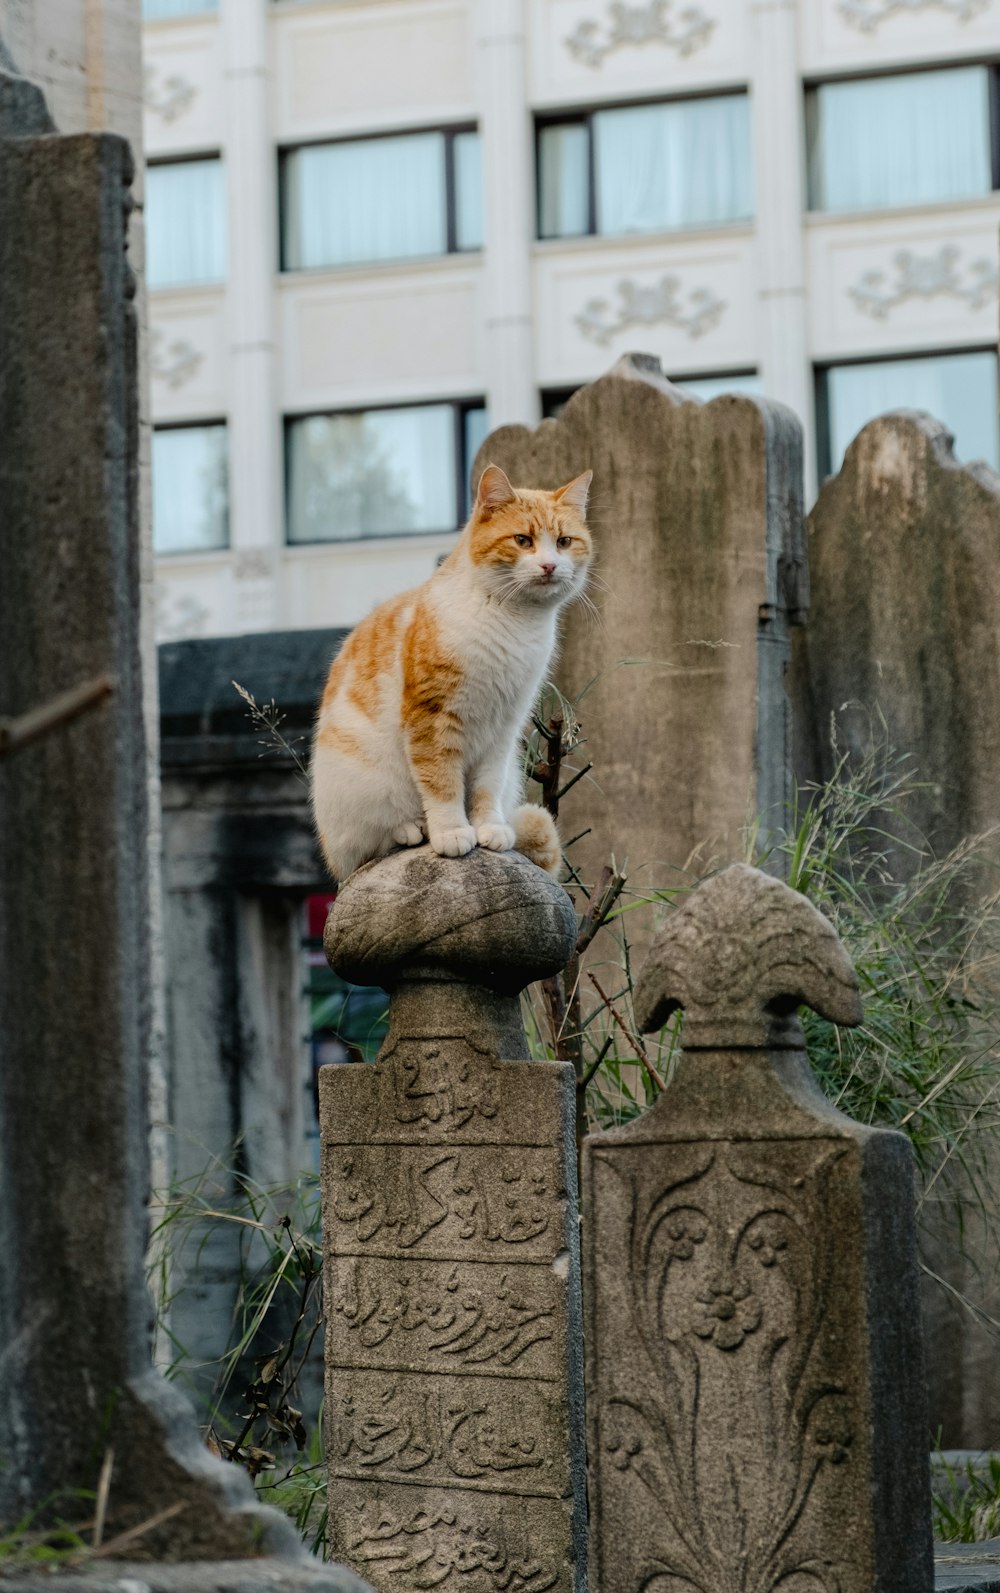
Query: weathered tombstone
{"type": "Point", "coordinates": [903, 642]}
{"type": "Point", "coordinates": [755, 1391]}
{"type": "Point", "coordinates": [697, 517]}
{"type": "Point", "coordinates": [80, 1398]}
{"type": "Point", "coordinates": [454, 1386]}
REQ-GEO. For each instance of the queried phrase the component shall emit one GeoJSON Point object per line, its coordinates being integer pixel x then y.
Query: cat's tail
{"type": "Point", "coordinates": [535, 835]}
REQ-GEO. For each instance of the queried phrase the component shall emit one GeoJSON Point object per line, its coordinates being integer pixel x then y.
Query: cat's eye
{"type": "Point", "coordinates": [564, 542]}
{"type": "Point", "coordinates": [523, 541]}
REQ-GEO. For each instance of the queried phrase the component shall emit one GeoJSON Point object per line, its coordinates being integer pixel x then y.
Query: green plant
{"type": "Point", "coordinates": [965, 1499]}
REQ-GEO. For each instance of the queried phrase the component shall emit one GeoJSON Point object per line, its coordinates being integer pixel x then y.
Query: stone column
{"type": "Point", "coordinates": [699, 569]}
{"type": "Point", "coordinates": [755, 1390]}
{"type": "Point", "coordinates": [454, 1394]}
{"type": "Point", "coordinates": [508, 190]}
{"type": "Point", "coordinates": [254, 423]}
{"type": "Point", "coordinates": [778, 105]}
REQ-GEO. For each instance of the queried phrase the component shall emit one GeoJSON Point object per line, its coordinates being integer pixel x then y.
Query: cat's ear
{"type": "Point", "coordinates": [575, 493]}
{"type": "Point", "coordinates": [494, 490]}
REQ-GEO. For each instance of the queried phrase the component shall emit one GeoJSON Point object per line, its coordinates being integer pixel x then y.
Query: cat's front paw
{"type": "Point", "coordinates": [408, 835]}
{"type": "Point", "coordinates": [496, 837]}
{"type": "Point", "coordinates": [455, 842]}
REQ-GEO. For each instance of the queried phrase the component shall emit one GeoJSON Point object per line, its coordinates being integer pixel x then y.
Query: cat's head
{"type": "Point", "coordinates": [529, 545]}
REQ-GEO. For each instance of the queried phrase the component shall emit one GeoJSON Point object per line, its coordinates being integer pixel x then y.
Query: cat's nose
{"type": "Point", "coordinates": [548, 570]}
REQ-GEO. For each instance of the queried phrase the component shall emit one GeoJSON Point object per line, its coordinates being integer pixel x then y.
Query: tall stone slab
{"type": "Point", "coordinates": [755, 1395]}
{"type": "Point", "coordinates": [904, 548]}
{"type": "Point", "coordinates": [696, 511]}
{"type": "Point", "coordinates": [454, 1386]}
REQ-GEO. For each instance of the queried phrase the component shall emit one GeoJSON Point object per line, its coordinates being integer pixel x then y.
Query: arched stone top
{"type": "Point", "coordinates": [739, 957]}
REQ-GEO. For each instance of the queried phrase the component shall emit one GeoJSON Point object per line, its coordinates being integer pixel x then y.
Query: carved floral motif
{"type": "Point", "coordinates": [684, 29]}
{"type": "Point", "coordinates": [730, 1300]}
{"type": "Point", "coordinates": [926, 277]}
{"type": "Point", "coordinates": [868, 15]}
{"type": "Point", "coordinates": [168, 99]}
{"type": "Point", "coordinates": [174, 363]}
{"type": "Point", "coordinates": [641, 305]}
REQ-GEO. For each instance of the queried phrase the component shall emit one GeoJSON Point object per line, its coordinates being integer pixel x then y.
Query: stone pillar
{"type": "Point", "coordinates": [508, 189]}
{"type": "Point", "coordinates": [779, 140]}
{"type": "Point", "coordinates": [696, 512]}
{"type": "Point", "coordinates": [454, 1392]}
{"type": "Point", "coordinates": [760, 1421]}
{"type": "Point", "coordinates": [256, 514]}
{"type": "Point", "coordinates": [78, 1390]}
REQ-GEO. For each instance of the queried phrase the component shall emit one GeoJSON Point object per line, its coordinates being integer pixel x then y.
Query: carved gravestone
{"type": "Point", "coordinates": [755, 1391]}
{"type": "Point", "coordinates": [454, 1386]}
{"type": "Point", "coordinates": [699, 571]}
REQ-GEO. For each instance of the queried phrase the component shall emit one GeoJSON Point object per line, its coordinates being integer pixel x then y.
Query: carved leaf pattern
{"type": "Point", "coordinates": [926, 277]}
{"type": "Point", "coordinates": [729, 1296]}
{"type": "Point", "coordinates": [627, 26]}
{"type": "Point", "coordinates": [868, 15]}
{"type": "Point", "coordinates": [644, 305]}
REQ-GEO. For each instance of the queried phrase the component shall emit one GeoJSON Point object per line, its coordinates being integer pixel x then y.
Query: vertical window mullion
{"type": "Point", "coordinates": [591, 178]}
{"type": "Point", "coordinates": [994, 82]}
{"type": "Point", "coordinates": [451, 219]}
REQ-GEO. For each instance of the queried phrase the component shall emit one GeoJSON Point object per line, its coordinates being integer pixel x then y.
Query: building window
{"type": "Point", "coordinates": [185, 210]}
{"type": "Point", "coordinates": [157, 10]}
{"type": "Point", "coordinates": [646, 168]}
{"type": "Point", "coordinates": [190, 489]}
{"type": "Point", "coordinates": [914, 139]}
{"type": "Point", "coordinates": [958, 389]}
{"type": "Point", "coordinates": [555, 399]}
{"type": "Point", "coordinates": [400, 197]}
{"type": "Point", "coordinates": [381, 472]}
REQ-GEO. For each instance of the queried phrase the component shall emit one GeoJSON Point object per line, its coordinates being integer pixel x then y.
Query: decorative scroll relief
{"type": "Point", "coordinates": [927, 277]}
{"type": "Point", "coordinates": [174, 363]}
{"type": "Point", "coordinates": [168, 99]}
{"type": "Point", "coordinates": [734, 1307]}
{"type": "Point", "coordinates": [694, 313]}
{"type": "Point", "coordinates": [178, 618]}
{"type": "Point", "coordinates": [683, 28]}
{"type": "Point", "coordinates": [868, 15]}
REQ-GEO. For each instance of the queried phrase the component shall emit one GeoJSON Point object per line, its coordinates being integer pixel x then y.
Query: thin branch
{"type": "Point", "coordinates": [58, 711]}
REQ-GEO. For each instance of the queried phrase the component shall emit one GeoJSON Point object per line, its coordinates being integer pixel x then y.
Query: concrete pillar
{"type": "Point", "coordinates": [254, 431]}
{"type": "Point", "coordinates": [779, 178]}
{"type": "Point", "coordinates": [508, 202]}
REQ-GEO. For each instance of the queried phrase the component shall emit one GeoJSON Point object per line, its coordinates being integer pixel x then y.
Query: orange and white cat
{"type": "Point", "coordinates": [419, 731]}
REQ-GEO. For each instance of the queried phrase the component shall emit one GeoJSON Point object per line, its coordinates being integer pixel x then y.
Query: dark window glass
{"type": "Point", "coordinates": [958, 389]}
{"type": "Point", "coordinates": [408, 196]}
{"type": "Point", "coordinates": [185, 211]}
{"type": "Point", "coordinates": [379, 472]}
{"type": "Point", "coordinates": [656, 168]}
{"type": "Point", "coordinates": [190, 489]}
{"type": "Point", "coordinates": [914, 139]}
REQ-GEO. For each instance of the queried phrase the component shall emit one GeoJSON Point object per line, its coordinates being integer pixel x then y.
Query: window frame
{"type": "Point", "coordinates": [583, 116]}
{"type": "Point", "coordinates": [821, 392]}
{"type": "Point", "coordinates": [811, 84]}
{"type": "Point", "coordinates": [462, 466]}
{"type": "Point", "coordinates": [194, 553]}
{"type": "Point", "coordinates": [449, 130]}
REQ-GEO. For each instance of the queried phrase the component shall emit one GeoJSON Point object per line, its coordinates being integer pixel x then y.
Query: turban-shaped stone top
{"type": "Point", "coordinates": [491, 918]}
{"type": "Point", "coordinates": [739, 957]}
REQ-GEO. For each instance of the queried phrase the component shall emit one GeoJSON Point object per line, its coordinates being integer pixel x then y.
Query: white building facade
{"type": "Point", "coordinates": [377, 230]}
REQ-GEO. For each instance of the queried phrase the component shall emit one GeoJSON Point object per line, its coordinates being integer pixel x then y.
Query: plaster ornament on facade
{"type": "Point", "coordinates": [172, 98]}
{"type": "Point", "coordinates": [870, 14]}
{"type": "Point", "coordinates": [631, 26]}
{"type": "Point", "coordinates": [174, 363]}
{"type": "Point", "coordinates": [253, 564]}
{"type": "Point", "coordinates": [178, 618]}
{"type": "Point", "coordinates": [926, 277]}
{"type": "Point", "coordinates": [648, 305]}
